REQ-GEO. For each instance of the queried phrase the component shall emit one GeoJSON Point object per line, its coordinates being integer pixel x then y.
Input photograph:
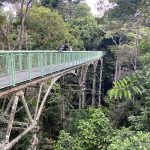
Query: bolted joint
{"type": "Point", "coordinates": [36, 128]}
{"type": "Point", "coordinates": [34, 122]}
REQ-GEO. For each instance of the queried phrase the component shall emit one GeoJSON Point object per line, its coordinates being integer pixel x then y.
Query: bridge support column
{"type": "Point", "coordinates": [34, 141]}
{"type": "Point", "coordinates": [100, 83]}
{"type": "Point", "coordinates": [12, 116]}
{"type": "Point", "coordinates": [82, 80]}
{"type": "Point", "coordinates": [94, 84]}
{"type": "Point", "coordinates": [82, 96]}
{"type": "Point", "coordinates": [30, 126]}
{"type": "Point", "coordinates": [6, 145]}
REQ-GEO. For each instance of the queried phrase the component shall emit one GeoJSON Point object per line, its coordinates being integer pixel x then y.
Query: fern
{"type": "Point", "coordinates": [134, 84]}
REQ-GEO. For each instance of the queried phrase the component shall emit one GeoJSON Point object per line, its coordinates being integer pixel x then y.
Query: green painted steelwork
{"type": "Point", "coordinates": [12, 62]}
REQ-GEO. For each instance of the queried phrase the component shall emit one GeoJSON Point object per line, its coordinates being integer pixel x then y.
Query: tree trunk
{"type": "Point", "coordinates": [116, 70]}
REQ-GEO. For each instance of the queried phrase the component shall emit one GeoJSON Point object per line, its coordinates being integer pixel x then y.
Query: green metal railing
{"type": "Point", "coordinates": [41, 62]}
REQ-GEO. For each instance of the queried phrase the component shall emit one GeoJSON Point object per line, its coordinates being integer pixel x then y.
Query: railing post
{"type": "Point", "coordinates": [30, 65]}
{"type": "Point", "coordinates": [20, 61]}
{"type": "Point", "coordinates": [60, 58]}
{"type": "Point", "coordinates": [78, 57]}
{"type": "Point", "coordinates": [41, 64]}
{"type": "Point", "coordinates": [74, 58]}
{"type": "Point", "coordinates": [45, 59]}
{"type": "Point", "coordinates": [51, 61]}
{"type": "Point", "coordinates": [56, 59]}
{"type": "Point", "coordinates": [64, 59]}
{"type": "Point", "coordinates": [8, 63]}
{"type": "Point", "coordinates": [70, 58]}
{"type": "Point", "coordinates": [13, 69]}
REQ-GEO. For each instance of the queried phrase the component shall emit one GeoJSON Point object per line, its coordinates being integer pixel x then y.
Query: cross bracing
{"type": "Point", "coordinates": [22, 70]}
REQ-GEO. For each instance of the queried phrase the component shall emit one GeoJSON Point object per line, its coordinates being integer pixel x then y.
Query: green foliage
{"type": "Point", "coordinates": [126, 88]}
{"type": "Point", "coordinates": [2, 18]}
{"type": "Point", "coordinates": [89, 129]}
{"type": "Point", "coordinates": [142, 121]}
{"type": "Point", "coordinates": [95, 133]}
{"type": "Point", "coordinates": [145, 44]}
{"type": "Point", "coordinates": [92, 133]}
{"type": "Point", "coordinates": [144, 59]}
{"type": "Point", "coordinates": [145, 40]}
{"type": "Point", "coordinates": [125, 9]}
{"type": "Point", "coordinates": [77, 115]}
{"type": "Point", "coordinates": [126, 139]}
{"type": "Point", "coordinates": [85, 28]}
{"type": "Point", "coordinates": [47, 29]}
{"type": "Point", "coordinates": [67, 142]}
{"type": "Point", "coordinates": [82, 10]}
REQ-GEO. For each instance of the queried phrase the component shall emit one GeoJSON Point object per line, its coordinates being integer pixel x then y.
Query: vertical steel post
{"type": "Point", "coordinates": [11, 119]}
{"type": "Point", "coordinates": [20, 61]}
{"type": "Point", "coordinates": [51, 62]}
{"type": "Point", "coordinates": [100, 83]}
{"type": "Point", "coordinates": [8, 64]}
{"type": "Point", "coordinates": [94, 83]}
{"type": "Point", "coordinates": [82, 81]}
{"type": "Point", "coordinates": [30, 66]}
{"type": "Point", "coordinates": [41, 64]}
{"type": "Point", "coordinates": [13, 69]}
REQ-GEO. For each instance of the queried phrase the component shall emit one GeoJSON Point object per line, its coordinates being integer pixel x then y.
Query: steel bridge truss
{"type": "Point", "coordinates": [15, 99]}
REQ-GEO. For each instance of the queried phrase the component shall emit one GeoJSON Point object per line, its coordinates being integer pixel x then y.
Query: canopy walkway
{"type": "Point", "coordinates": [20, 66]}
{"type": "Point", "coordinates": [22, 72]}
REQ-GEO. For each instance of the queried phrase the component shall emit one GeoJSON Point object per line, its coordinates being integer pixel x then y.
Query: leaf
{"type": "Point", "coordinates": [126, 93]}
{"type": "Point", "coordinates": [115, 83]}
{"type": "Point", "coordinates": [111, 92]}
{"type": "Point", "coordinates": [129, 94]}
{"type": "Point", "coordinates": [122, 83]}
{"type": "Point", "coordinates": [125, 81]}
{"type": "Point", "coordinates": [119, 84]}
{"type": "Point", "coordinates": [120, 94]}
{"type": "Point", "coordinates": [116, 93]}
{"type": "Point", "coordinates": [128, 79]}
{"type": "Point", "coordinates": [139, 91]}
{"type": "Point", "coordinates": [134, 89]}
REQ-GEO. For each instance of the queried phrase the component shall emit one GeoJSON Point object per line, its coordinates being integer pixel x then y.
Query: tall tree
{"type": "Point", "coordinates": [47, 29]}
{"type": "Point", "coordinates": [23, 7]}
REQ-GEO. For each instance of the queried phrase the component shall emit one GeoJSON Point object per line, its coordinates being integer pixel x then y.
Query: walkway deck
{"type": "Point", "coordinates": [22, 76]}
